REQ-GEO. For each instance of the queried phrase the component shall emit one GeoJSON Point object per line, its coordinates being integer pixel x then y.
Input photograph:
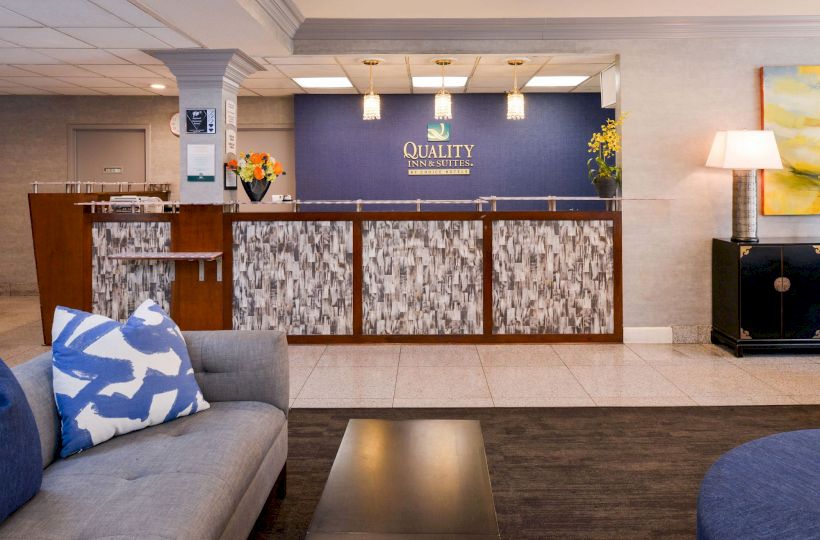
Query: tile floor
{"type": "Point", "coordinates": [506, 375]}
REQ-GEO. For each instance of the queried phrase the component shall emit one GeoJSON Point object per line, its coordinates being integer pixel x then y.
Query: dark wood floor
{"type": "Point", "coordinates": [587, 473]}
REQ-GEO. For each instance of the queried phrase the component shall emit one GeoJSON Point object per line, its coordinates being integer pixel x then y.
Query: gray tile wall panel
{"type": "Point", "coordinates": [294, 276]}
{"type": "Point", "coordinates": [553, 277]}
{"type": "Point", "coordinates": [117, 286]}
{"type": "Point", "coordinates": [422, 277]}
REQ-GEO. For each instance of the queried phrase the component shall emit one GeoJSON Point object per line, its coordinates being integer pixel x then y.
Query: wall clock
{"type": "Point", "coordinates": [174, 123]}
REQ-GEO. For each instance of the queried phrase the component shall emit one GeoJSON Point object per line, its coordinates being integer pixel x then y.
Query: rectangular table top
{"type": "Point", "coordinates": [408, 479]}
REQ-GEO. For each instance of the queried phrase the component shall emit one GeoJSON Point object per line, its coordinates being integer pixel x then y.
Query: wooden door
{"type": "Point", "coordinates": [109, 155]}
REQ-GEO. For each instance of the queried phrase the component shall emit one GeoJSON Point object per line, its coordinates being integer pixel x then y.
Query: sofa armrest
{"type": "Point", "coordinates": [241, 365]}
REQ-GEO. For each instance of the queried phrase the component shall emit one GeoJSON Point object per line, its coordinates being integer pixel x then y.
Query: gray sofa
{"type": "Point", "coordinates": [207, 475]}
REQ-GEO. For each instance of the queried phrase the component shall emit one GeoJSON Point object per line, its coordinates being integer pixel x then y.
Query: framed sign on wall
{"type": "Point", "coordinates": [200, 121]}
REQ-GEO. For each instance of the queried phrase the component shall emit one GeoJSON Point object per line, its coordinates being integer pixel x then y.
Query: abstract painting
{"type": "Point", "coordinates": [791, 108]}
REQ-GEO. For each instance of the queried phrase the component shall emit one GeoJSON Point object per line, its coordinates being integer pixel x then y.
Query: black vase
{"type": "Point", "coordinates": [256, 189]}
{"type": "Point", "coordinates": [606, 186]}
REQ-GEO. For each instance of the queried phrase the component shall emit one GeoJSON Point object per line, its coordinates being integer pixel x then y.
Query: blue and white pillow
{"type": "Point", "coordinates": [112, 378]}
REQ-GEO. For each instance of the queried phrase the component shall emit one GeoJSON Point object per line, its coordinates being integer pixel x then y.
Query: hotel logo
{"type": "Point", "coordinates": [438, 159]}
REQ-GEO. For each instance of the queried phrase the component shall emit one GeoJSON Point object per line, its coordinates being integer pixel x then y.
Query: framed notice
{"type": "Point", "coordinates": [201, 163]}
{"type": "Point", "coordinates": [200, 121]}
{"type": "Point", "coordinates": [230, 179]}
{"type": "Point", "coordinates": [230, 113]}
{"type": "Point", "coordinates": [230, 141]}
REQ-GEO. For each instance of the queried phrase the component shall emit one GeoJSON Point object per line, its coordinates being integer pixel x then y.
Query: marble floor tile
{"type": "Point", "coordinates": [584, 401]}
{"type": "Point", "coordinates": [428, 403]}
{"type": "Point", "coordinates": [807, 399]}
{"type": "Point", "coordinates": [342, 403]}
{"type": "Point", "coordinates": [439, 355]}
{"type": "Point", "coordinates": [624, 381]}
{"type": "Point", "coordinates": [360, 356]}
{"type": "Point", "coordinates": [726, 401]}
{"type": "Point", "coordinates": [664, 401]}
{"type": "Point", "coordinates": [350, 383]}
{"type": "Point", "coordinates": [305, 355]}
{"type": "Point", "coordinates": [533, 382]}
{"type": "Point", "coordinates": [298, 376]}
{"type": "Point", "coordinates": [436, 382]}
{"type": "Point", "coordinates": [788, 379]}
{"type": "Point", "coordinates": [679, 354]}
{"type": "Point", "coordinates": [604, 354]}
{"type": "Point", "coordinates": [773, 360]}
{"type": "Point", "coordinates": [518, 355]}
{"type": "Point", "coordinates": [716, 380]}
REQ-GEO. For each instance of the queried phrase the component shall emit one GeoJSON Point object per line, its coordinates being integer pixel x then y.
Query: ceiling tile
{"type": "Point", "coordinates": [78, 56]}
{"type": "Point", "coordinates": [11, 19]}
{"type": "Point", "coordinates": [270, 72]}
{"type": "Point", "coordinates": [40, 38]}
{"type": "Point", "coordinates": [60, 13]}
{"type": "Point", "coordinates": [392, 82]}
{"type": "Point", "coordinates": [312, 70]}
{"type": "Point", "coordinates": [135, 56]}
{"type": "Point", "coordinates": [379, 72]}
{"type": "Point", "coordinates": [331, 91]}
{"type": "Point", "coordinates": [57, 70]}
{"type": "Point", "coordinates": [120, 70]}
{"type": "Point", "coordinates": [10, 82]}
{"type": "Point", "coordinates": [125, 91]}
{"type": "Point", "coordinates": [356, 59]}
{"type": "Point", "coordinates": [277, 91]}
{"type": "Point", "coordinates": [583, 59]}
{"type": "Point", "coordinates": [246, 92]}
{"type": "Point", "coordinates": [455, 70]}
{"type": "Point", "coordinates": [77, 91]}
{"type": "Point", "coordinates": [172, 37]}
{"type": "Point", "coordinates": [548, 90]}
{"type": "Point", "coordinates": [587, 90]}
{"type": "Point", "coordinates": [128, 12]}
{"type": "Point", "coordinates": [486, 89]}
{"type": "Point", "coordinates": [94, 82]}
{"type": "Point", "coordinates": [116, 38]}
{"type": "Point", "coordinates": [255, 84]}
{"type": "Point", "coordinates": [162, 71]}
{"type": "Point", "coordinates": [501, 59]}
{"type": "Point", "coordinates": [13, 71]}
{"type": "Point", "coordinates": [146, 82]}
{"type": "Point", "coordinates": [427, 59]}
{"type": "Point", "coordinates": [395, 90]}
{"type": "Point", "coordinates": [572, 69]}
{"type": "Point", "coordinates": [28, 91]}
{"type": "Point", "coordinates": [25, 56]}
{"type": "Point", "coordinates": [300, 60]}
{"type": "Point", "coordinates": [41, 82]}
{"type": "Point", "coordinates": [6, 44]}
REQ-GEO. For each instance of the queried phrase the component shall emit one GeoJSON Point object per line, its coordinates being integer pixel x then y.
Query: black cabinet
{"type": "Point", "coordinates": [766, 295]}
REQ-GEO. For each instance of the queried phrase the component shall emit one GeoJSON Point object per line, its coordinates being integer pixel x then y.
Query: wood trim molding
{"type": "Point", "coordinates": [582, 28]}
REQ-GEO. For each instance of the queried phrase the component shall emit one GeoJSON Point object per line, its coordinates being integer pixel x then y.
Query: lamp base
{"type": "Point", "coordinates": [744, 205]}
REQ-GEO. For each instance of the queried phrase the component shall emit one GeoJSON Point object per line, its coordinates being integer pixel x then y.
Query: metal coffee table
{"type": "Point", "coordinates": [408, 479]}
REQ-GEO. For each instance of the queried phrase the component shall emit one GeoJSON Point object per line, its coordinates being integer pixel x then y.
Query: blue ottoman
{"type": "Point", "coordinates": [767, 488]}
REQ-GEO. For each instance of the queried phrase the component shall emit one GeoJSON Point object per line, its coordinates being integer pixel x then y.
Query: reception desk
{"type": "Point", "coordinates": [362, 276]}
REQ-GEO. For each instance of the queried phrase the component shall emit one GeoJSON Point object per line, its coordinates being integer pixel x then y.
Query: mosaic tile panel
{"type": "Point", "coordinates": [422, 277]}
{"type": "Point", "coordinates": [294, 276]}
{"type": "Point", "coordinates": [118, 287]}
{"type": "Point", "coordinates": [553, 277]}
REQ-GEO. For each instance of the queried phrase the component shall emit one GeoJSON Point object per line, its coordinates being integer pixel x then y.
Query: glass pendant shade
{"type": "Point", "coordinates": [515, 106]}
{"type": "Point", "coordinates": [444, 106]}
{"type": "Point", "coordinates": [372, 107]}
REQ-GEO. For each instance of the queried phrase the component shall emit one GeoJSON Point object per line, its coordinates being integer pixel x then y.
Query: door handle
{"type": "Point", "coordinates": [782, 284]}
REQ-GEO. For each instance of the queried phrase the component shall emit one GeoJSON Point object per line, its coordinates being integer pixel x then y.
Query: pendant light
{"type": "Point", "coordinates": [515, 99]}
{"type": "Point", "coordinates": [444, 102]}
{"type": "Point", "coordinates": [372, 104]}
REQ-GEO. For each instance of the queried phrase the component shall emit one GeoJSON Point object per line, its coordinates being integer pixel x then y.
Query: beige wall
{"type": "Point", "coordinates": [34, 146]}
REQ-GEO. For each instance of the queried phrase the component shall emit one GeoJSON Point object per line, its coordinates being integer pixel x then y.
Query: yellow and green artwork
{"type": "Point", "coordinates": [791, 108]}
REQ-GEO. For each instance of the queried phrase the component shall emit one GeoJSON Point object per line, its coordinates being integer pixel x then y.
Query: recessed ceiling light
{"type": "Point", "coordinates": [435, 82]}
{"type": "Point", "coordinates": [323, 82]}
{"type": "Point", "coordinates": [559, 80]}
{"type": "Point", "coordinates": [158, 86]}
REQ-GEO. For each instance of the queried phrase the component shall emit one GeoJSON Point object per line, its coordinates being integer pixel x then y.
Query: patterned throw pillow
{"type": "Point", "coordinates": [112, 378]}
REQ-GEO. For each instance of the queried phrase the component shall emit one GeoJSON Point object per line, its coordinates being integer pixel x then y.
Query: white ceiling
{"type": "Point", "coordinates": [512, 9]}
{"type": "Point", "coordinates": [93, 47]}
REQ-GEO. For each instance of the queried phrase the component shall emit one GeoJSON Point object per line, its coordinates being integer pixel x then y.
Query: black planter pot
{"type": "Point", "coordinates": [606, 186]}
{"type": "Point", "coordinates": [256, 189]}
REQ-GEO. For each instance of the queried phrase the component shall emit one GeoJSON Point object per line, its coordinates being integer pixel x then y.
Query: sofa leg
{"type": "Point", "coordinates": [282, 483]}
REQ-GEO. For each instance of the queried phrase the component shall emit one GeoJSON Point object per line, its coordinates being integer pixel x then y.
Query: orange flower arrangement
{"type": "Point", "coordinates": [256, 166]}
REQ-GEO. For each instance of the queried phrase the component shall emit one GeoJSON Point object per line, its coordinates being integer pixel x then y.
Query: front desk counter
{"type": "Point", "coordinates": [475, 276]}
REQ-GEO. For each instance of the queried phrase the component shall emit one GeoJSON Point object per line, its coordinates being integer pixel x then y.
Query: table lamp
{"type": "Point", "coordinates": [744, 152]}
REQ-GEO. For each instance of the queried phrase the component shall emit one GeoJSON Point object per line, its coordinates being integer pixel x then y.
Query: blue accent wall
{"type": "Point", "coordinates": [341, 156]}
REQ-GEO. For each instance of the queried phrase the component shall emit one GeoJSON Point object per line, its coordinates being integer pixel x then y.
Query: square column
{"type": "Point", "coordinates": [208, 79]}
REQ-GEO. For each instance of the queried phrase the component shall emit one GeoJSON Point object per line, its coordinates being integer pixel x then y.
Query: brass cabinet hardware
{"type": "Point", "coordinates": [782, 284]}
{"type": "Point", "coordinates": [744, 334]}
{"type": "Point", "coordinates": [744, 250]}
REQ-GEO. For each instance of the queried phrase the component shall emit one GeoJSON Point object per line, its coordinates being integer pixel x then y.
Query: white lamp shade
{"type": "Point", "coordinates": [744, 150]}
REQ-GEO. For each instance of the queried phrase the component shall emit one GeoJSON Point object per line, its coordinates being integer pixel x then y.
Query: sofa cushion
{"type": "Point", "coordinates": [21, 464]}
{"type": "Point", "coordinates": [181, 479]}
{"type": "Point", "coordinates": [112, 378]}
